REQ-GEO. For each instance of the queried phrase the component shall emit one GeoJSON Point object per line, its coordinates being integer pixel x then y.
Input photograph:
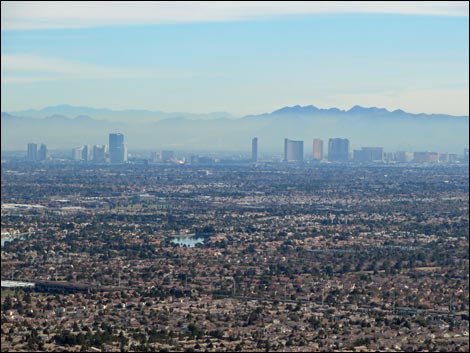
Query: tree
{"type": "Point", "coordinates": [7, 304]}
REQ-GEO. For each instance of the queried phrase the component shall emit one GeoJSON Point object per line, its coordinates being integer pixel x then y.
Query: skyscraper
{"type": "Point", "coordinates": [77, 153]}
{"type": "Point", "coordinates": [338, 149]}
{"type": "Point", "coordinates": [369, 154]}
{"type": "Point", "coordinates": [99, 153]}
{"type": "Point", "coordinates": [86, 153]}
{"type": "Point", "coordinates": [155, 157]}
{"type": "Point", "coordinates": [293, 151]}
{"type": "Point", "coordinates": [254, 149]}
{"type": "Point", "coordinates": [117, 148]}
{"type": "Point", "coordinates": [42, 153]}
{"type": "Point", "coordinates": [32, 152]}
{"type": "Point", "coordinates": [125, 153]}
{"type": "Point", "coordinates": [168, 156]}
{"type": "Point", "coordinates": [317, 149]}
{"type": "Point", "coordinates": [403, 156]}
{"type": "Point", "coordinates": [425, 157]}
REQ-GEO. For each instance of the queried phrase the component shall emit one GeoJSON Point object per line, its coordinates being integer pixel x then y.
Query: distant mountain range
{"type": "Point", "coordinates": [137, 115]}
{"type": "Point", "coordinates": [66, 126]}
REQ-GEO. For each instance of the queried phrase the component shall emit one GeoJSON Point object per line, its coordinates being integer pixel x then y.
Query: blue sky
{"type": "Point", "coordinates": [240, 59]}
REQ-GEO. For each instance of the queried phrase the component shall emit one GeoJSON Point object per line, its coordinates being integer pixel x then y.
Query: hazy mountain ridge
{"type": "Point", "coordinates": [139, 115]}
{"type": "Point", "coordinates": [393, 130]}
{"type": "Point", "coordinates": [356, 110]}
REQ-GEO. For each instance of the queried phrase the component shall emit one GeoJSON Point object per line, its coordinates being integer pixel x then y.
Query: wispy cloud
{"type": "Point", "coordinates": [48, 14]}
{"type": "Point", "coordinates": [32, 68]}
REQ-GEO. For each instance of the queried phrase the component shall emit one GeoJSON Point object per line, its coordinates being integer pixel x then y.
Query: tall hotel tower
{"type": "Point", "coordinates": [42, 153]}
{"type": "Point", "coordinates": [293, 151]}
{"type": "Point", "coordinates": [254, 150]}
{"type": "Point", "coordinates": [32, 152]}
{"type": "Point", "coordinates": [338, 150]}
{"type": "Point", "coordinates": [117, 148]}
{"type": "Point", "coordinates": [317, 149]}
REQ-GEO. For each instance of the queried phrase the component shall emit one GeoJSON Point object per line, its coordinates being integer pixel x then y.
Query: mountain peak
{"type": "Point", "coordinates": [374, 110]}
{"type": "Point", "coordinates": [296, 109]}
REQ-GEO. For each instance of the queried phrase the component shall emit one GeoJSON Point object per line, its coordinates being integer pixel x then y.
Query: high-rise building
{"type": "Point", "coordinates": [369, 154]}
{"type": "Point", "coordinates": [42, 153]}
{"type": "Point", "coordinates": [443, 157]}
{"type": "Point", "coordinates": [338, 149]}
{"type": "Point", "coordinates": [77, 153]}
{"type": "Point", "coordinates": [117, 148]}
{"type": "Point", "coordinates": [317, 149]}
{"type": "Point", "coordinates": [254, 149]}
{"type": "Point", "coordinates": [168, 156]}
{"type": "Point", "coordinates": [125, 153]}
{"type": "Point", "coordinates": [155, 157]}
{"type": "Point", "coordinates": [452, 157]}
{"type": "Point", "coordinates": [293, 151]}
{"type": "Point", "coordinates": [86, 153]}
{"type": "Point", "coordinates": [425, 157]}
{"type": "Point", "coordinates": [389, 157]}
{"type": "Point", "coordinates": [359, 156]}
{"type": "Point", "coordinates": [99, 153]}
{"type": "Point", "coordinates": [375, 154]}
{"type": "Point", "coordinates": [32, 152]}
{"type": "Point", "coordinates": [403, 156]}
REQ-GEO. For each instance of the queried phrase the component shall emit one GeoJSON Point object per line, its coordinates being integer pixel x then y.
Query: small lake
{"type": "Point", "coordinates": [188, 241]}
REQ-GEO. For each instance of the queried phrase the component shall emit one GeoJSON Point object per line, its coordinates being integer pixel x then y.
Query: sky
{"type": "Point", "coordinates": [238, 57]}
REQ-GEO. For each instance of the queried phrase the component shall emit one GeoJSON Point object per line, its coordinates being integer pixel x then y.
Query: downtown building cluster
{"type": "Point", "coordinates": [115, 152]}
{"type": "Point", "coordinates": [339, 151]}
{"type": "Point", "coordinates": [37, 154]}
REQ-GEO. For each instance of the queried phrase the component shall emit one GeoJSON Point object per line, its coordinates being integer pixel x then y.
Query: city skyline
{"type": "Point", "coordinates": [338, 151]}
{"type": "Point", "coordinates": [240, 58]}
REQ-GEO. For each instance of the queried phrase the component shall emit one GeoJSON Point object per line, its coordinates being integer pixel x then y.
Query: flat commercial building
{"type": "Point", "coordinates": [293, 151]}
{"type": "Point", "coordinates": [16, 284]}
